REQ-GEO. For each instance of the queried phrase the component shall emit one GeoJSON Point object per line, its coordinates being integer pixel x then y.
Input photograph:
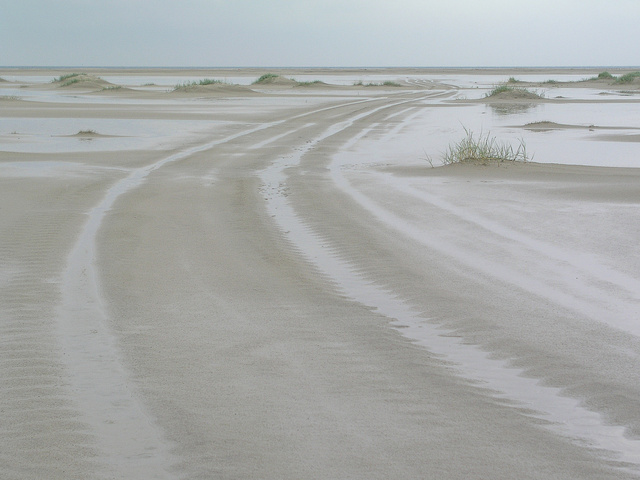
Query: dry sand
{"type": "Point", "coordinates": [268, 290]}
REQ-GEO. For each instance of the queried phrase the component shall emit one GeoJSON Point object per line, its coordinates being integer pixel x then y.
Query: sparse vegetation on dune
{"type": "Point", "coordinates": [266, 78]}
{"type": "Point", "coordinates": [70, 82]}
{"type": "Point", "coordinates": [9, 97]}
{"type": "Point", "coordinates": [386, 83]}
{"type": "Point", "coordinates": [199, 83]}
{"type": "Point", "coordinates": [68, 76]}
{"type": "Point", "coordinates": [484, 150]}
{"type": "Point", "coordinates": [515, 92]}
{"type": "Point", "coordinates": [628, 78]}
{"type": "Point", "coordinates": [307, 84]}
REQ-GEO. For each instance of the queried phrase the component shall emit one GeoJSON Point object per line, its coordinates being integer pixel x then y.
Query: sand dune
{"type": "Point", "coordinates": [278, 290]}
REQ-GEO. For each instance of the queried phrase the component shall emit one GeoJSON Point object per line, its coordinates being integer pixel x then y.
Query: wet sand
{"type": "Point", "coordinates": [276, 284]}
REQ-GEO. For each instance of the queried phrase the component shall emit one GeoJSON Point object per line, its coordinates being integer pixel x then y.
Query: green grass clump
{"type": "Point", "coordinates": [209, 81]}
{"type": "Point", "coordinates": [513, 80]}
{"type": "Point", "coordinates": [306, 84]}
{"type": "Point", "coordinates": [68, 76]}
{"type": "Point", "coordinates": [500, 89]}
{"type": "Point", "coordinates": [551, 82]}
{"type": "Point", "coordinates": [506, 89]}
{"type": "Point", "coordinates": [605, 76]}
{"type": "Point", "coordinates": [87, 132]}
{"type": "Point", "coordinates": [205, 81]}
{"type": "Point", "coordinates": [386, 83]}
{"type": "Point", "coordinates": [483, 150]}
{"type": "Point", "coordinates": [628, 78]}
{"type": "Point", "coordinates": [267, 77]}
{"type": "Point", "coordinates": [70, 82]}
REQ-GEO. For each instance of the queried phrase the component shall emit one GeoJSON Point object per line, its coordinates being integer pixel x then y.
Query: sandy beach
{"type": "Point", "coordinates": [279, 280]}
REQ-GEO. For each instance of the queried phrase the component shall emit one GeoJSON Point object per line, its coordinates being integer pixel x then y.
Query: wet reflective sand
{"type": "Point", "coordinates": [277, 283]}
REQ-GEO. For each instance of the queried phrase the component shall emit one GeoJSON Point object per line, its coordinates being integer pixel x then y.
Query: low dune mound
{"type": "Point", "coordinates": [82, 80]}
{"type": "Point", "coordinates": [510, 93]}
{"type": "Point", "coordinates": [2, 80]}
{"type": "Point", "coordinates": [313, 84]}
{"type": "Point", "coordinates": [277, 80]}
{"type": "Point", "coordinates": [214, 89]}
{"type": "Point", "coordinates": [88, 135]}
{"type": "Point", "coordinates": [544, 126]}
{"type": "Point", "coordinates": [116, 89]}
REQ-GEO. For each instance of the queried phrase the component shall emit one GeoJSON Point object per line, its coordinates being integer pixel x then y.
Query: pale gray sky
{"type": "Point", "coordinates": [319, 33]}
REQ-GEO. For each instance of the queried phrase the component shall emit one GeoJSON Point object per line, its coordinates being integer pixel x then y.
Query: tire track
{"type": "Point", "coordinates": [565, 416]}
{"type": "Point", "coordinates": [129, 441]}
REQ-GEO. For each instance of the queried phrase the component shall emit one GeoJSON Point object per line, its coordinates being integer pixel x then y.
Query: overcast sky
{"type": "Point", "coordinates": [339, 33]}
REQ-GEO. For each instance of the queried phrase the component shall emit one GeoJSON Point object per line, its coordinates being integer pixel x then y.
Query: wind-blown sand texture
{"type": "Point", "coordinates": [263, 283]}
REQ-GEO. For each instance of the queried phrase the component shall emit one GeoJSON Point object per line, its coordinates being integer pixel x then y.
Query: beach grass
{"type": "Point", "coordinates": [70, 82]}
{"type": "Point", "coordinates": [306, 84]}
{"type": "Point", "coordinates": [9, 97]}
{"type": "Point", "coordinates": [204, 81]}
{"type": "Point", "coordinates": [267, 77]}
{"type": "Point", "coordinates": [386, 83]}
{"type": "Point", "coordinates": [483, 150]}
{"type": "Point", "coordinates": [628, 77]}
{"type": "Point", "coordinates": [68, 76]}
{"type": "Point", "coordinates": [499, 89]}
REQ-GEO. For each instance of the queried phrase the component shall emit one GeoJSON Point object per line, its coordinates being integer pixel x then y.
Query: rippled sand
{"type": "Point", "coordinates": [276, 284]}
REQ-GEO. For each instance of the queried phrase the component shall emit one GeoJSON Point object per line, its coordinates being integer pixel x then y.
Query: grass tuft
{"type": "Point", "coordinates": [205, 81]}
{"type": "Point", "coordinates": [513, 80]}
{"type": "Point", "coordinates": [9, 97]}
{"type": "Point", "coordinates": [307, 84]}
{"type": "Point", "coordinates": [628, 78]}
{"type": "Point", "coordinates": [516, 90]}
{"type": "Point", "coordinates": [483, 150]}
{"type": "Point", "coordinates": [70, 82]}
{"type": "Point", "coordinates": [605, 76]}
{"type": "Point", "coordinates": [386, 83]}
{"type": "Point", "coordinates": [68, 76]}
{"type": "Point", "coordinates": [267, 77]}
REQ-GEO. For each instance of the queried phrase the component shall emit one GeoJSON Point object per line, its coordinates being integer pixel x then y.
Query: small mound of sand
{"type": "Point", "coordinates": [276, 80]}
{"type": "Point", "coordinates": [515, 94]}
{"type": "Point", "coordinates": [315, 84]}
{"type": "Point", "coordinates": [544, 126]}
{"type": "Point", "coordinates": [116, 89]}
{"type": "Point", "coordinates": [88, 135]}
{"type": "Point", "coordinates": [83, 81]}
{"type": "Point", "coordinates": [216, 89]}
